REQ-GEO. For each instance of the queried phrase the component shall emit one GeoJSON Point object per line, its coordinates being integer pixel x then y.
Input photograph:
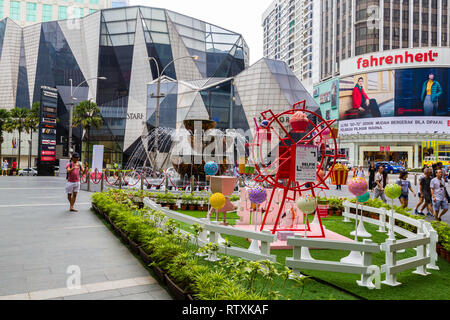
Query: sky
{"type": "Point", "coordinates": [240, 16]}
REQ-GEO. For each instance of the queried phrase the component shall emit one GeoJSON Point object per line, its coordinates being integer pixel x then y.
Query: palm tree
{"type": "Point", "coordinates": [32, 124]}
{"type": "Point", "coordinates": [87, 115]}
{"type": "Point", "coordinates": [17, 122]}
{"type": "Point", "coordinates": [4, 116]}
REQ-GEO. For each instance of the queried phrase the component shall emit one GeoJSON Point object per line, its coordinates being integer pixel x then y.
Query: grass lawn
{"type": "Point", "coordinates": [414, 287]}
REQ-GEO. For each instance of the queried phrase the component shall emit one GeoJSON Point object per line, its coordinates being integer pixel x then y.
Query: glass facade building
{"type": "Point", "coordinates": [116, 44]}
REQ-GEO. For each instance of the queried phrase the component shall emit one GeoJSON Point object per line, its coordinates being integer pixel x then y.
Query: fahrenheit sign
{"type": "Point", "coordinates": [306, 163]}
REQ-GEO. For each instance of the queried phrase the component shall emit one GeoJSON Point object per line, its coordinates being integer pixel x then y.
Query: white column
{"type": "Point", "coordinates": [416, 155]}
{"type": "Point", "coordinates": [410, 157]}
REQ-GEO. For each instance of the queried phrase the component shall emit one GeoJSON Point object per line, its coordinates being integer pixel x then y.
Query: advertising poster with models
{"type": "Point", "coordinates": [421, 92]}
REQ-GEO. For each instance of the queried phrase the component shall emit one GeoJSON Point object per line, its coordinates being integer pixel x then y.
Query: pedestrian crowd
{"type": "Point", "coordinates": [432, 191]}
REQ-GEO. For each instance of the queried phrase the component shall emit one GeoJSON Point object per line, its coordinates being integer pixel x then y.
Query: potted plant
{"type": "Point", "coordinates": [184, 202]}
{"type": "Point", "coordinates": [191, 204]}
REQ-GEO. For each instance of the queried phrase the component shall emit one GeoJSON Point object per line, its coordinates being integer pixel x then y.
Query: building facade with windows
{"type": "Point", "coordinates": [351, 28]}
{"type": "Point", "coordinates": [393, 46]}
{"type": "Point", "coordinates": [291, 33]}
{"type": "Point", "coordinates": [116, 44]}
{"type": "Point", "coordinates": [28, 12]}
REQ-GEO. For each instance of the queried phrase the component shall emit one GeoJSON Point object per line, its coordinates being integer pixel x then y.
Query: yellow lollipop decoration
{"type": "Point", "coordinates": [217, 201]}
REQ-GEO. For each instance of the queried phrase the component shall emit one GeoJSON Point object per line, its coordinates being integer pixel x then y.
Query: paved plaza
{"type": "Point", "coordinates": [43, 246]}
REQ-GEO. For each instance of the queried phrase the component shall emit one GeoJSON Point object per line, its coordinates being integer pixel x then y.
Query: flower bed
{"type": "Point", "coordinates": [176, 260]}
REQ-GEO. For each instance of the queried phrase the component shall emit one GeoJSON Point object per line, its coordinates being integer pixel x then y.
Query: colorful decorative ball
{"type": "Point", "coordinates": [364, 198]}
{"type": "Point", "coordinates": [393, 191]}
{"type": "Point", "coordinates": [211, 168]}
{"type": "Point", "coordinates": [307, 204]}
{"type": "Point", "coordinates": [257, 195]}
{"type": "Point", "coordinates": [358, 186]}
{"type": "Point", "coordinates": [217, 201]}
{"type": "Point", "coordinates": [264, 124]}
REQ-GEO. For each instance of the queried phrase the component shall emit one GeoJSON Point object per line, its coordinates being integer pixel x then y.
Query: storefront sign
{"type": "Point", "coordinates": [396, 59]}
{"type": "Point", "coordinates": [385, 149]}
{"type": "Point", "coordinates": [47, 128]}
{"type": "Point", "coordinates": [305, 163]}
{"type": "Point", "coordinates": [395, 125]}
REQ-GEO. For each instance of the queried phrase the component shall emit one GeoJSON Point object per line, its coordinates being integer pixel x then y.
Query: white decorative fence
{"type": "Point", "coordinates": [368, 271]}
{"type": "Point", "coordinates": [423, 227]}
{"type": "Point", "coordinates": [215, 231]}
{"type": "Point", "coordinates": [394, 266]}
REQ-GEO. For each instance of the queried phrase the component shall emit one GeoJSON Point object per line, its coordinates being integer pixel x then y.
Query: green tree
{"type": "Point", "coordinates": [87, 115]}
{"type": "Point", "coordinates": [4, 116]}
{"type": "Point", "coordinates": [32, 124]}
{"type": "Point", "coordinates": [17, 122]}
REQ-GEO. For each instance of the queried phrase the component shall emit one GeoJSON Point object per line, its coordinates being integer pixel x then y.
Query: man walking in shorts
{"type": "Point", "coordinates": [425, 191]}
{"type": "Point", "coordinates": [74, 169]}
{"type": "Point", "coordinates": [379, 189]}
{"type": "Point", "coordinates": [440, 202]}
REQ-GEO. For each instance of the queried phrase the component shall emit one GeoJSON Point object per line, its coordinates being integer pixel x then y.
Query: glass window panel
{"type": "Point", "coordinates": [131, 26]}
{"type": "Point", "coordinates": [225, 38]}
{"type": "Point", "coordinates": [146, 12]}
{"type": "Point", "coordinates": [120, 39]}
{"type": "Point", "coordinates": [160, 38]}
{"type": "Point", "coordinates": [194, 44]}
{"type": "Point", "coordinates": [131, 13]}
{"type": "Point", "coordinates": [158, 14]}
{"type": "Point", "coordinates": [219, 30]}
{"type": "Point", "coordinates": [159, 26]}
{"type": "Point", "coordinates": [223, 47]}
{"type": "Point", "coordinates": [117, 27]}
{"type": "Point", "coordinates": [114, 15]}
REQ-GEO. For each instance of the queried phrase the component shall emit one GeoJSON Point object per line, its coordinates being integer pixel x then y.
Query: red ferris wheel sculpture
{"type": "Point", "coordinates": [299, 161]}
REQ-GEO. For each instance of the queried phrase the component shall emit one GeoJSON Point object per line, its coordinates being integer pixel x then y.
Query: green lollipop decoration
{"type": "Point", "coordinates": [393, 191]}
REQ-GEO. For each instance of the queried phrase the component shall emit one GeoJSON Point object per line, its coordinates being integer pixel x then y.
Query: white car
{"type": "Point", "coordinates": [28, 172]}
{"type": "Point", "coordinates": [346, 163]}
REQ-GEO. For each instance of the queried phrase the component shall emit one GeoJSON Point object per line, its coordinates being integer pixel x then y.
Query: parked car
{"type": "Point", "coordinates": [346, 163]}
{"type": "Point", "coordinates": [391, 166]}
{"type": "Point", "coordinates": [28, 172]}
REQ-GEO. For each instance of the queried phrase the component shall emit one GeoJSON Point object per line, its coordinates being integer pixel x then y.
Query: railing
{"type": "Point", "coordinates": [394, 266]}
{"type": "Point", "coordinates": [368, 272]}
{"type": "Point", "coordinates": [132, 180]}
{"type": "Point", "coordinates": [215, 231]}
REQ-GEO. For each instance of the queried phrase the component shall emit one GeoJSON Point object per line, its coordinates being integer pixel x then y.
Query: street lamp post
{"type": "Point", "coordinates": [72, 93]}
{"type": "Point", "coordinates": [158, 97]}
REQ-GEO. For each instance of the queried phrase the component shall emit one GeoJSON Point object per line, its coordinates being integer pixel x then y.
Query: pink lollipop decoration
{"type": "Point", "coordinates": [358, 186]}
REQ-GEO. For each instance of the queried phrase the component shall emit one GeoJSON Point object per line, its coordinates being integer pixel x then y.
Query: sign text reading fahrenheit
{"type": "Point", "coordinates": [397, 59]}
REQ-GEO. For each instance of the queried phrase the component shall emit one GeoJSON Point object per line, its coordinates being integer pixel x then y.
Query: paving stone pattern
{"type": "Point", "coordinates": [40, 239]}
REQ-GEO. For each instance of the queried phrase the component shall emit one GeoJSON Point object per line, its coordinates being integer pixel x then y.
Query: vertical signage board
{"type": "Point", "coordinates": [97, 158]}
{"type": "Point", "coordinates": [47, 131]}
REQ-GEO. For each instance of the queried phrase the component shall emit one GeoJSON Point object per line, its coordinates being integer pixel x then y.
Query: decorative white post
{"type": "Point", "coordinates": [391, 261]}
{"type": "Point", "coordinates": [421, 253]}
{"type": "Point", "coordinates": [355, 257]}
{"type": "Point", "coordinates": [382, 225]}
{"type": "Point", "coordinates": [346, 212]}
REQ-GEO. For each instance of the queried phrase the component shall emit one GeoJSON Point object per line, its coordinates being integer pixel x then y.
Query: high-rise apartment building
{"type": "Point", "coordinates": [291, 33]}
{"type": "Point", "coordinates": [120, 3]}
{"type": "Point", "coordinates": [29, 12]}
{"type": "Point", "coordinates": [350, 28]}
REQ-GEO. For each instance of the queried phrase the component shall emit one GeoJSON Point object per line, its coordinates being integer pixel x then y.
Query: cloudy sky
{"type": "Point", "coordinates": [241, 16]}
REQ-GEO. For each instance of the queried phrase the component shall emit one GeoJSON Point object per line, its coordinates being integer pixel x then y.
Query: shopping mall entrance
{"type": "Point", "coordinates": [384, 156]}
{"type": "Point", "coordinates": [387, 153]}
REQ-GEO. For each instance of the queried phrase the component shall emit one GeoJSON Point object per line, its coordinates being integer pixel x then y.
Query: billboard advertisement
{"type": "Point", "coordinates": [397, 91]}
{"type": "Point", "coordinates": [415, 100]}
{"type": "Point", "coordinates": [327, 96]}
